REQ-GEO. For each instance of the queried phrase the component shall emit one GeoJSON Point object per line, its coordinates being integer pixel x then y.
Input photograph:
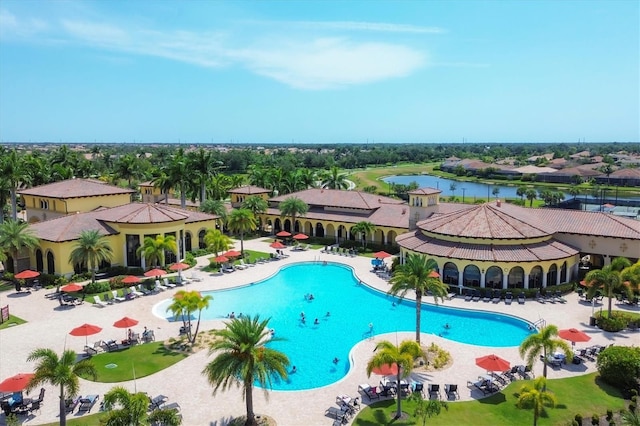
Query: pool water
{"type": "Point", "coordinates": [347, 312]}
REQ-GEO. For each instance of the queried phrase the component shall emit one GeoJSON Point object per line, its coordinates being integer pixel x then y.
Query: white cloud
{"type": "Point", "coordinates": [299, 60]}
{"type": "Point", "coordinates": [330, 63]}
{"type": "Point", "coordinates": [370, 26]}
{"type": "Point", "coordinates": [11, 25]}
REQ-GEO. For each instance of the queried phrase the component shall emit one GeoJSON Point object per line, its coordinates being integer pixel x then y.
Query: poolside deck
{"type": "Point", "coordinates": [48, 326]}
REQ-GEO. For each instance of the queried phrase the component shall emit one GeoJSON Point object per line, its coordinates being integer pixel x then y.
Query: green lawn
{"type": "Point", "coordinates": [136, 361]}
{"type": "Point", "coordinates": [11, 322]}
{"type": "Point", "coordinates": [90, 420]}
{"type": "Point", "coordinates": [585, 394]}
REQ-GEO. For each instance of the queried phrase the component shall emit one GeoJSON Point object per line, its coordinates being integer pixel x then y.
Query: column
{"type": "Point", "coordinates": [482, 279]}
{"type": "Point", "coordinates": [505, 281]}
{"type": "Point", "coordinates": [526, 280]}
{"type": "Point", "coordinates": [124, 250]}
{"type": "Point", "coordinates": [544, 279]}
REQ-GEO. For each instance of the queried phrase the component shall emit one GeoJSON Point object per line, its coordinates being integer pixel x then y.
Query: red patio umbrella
{"type": "Point", "coordinates": [85, 330]}
{"type": "Point", "coordinates": [434, 274]}
{"type": "Point", "coordinates": [386, 370]}
{"type": "Point", "coordinates": [125, 322]}
{"type": "Point", "coordinates": [283, 234]}
{"type": "Point", "coordinates": [71, 288]}
{"type": "Point", "coordinates": [26, 274]}
{"type": "Point", "coordinates": [221, 259]}
{"type": "Point", "coordinates": [300, 237]}
{"type": "Point", "coordinates": [179, 266]}
{"type": "Point", "coordinates": [232, 253]}
{"type": "Point", "coordinates": [493, 363]}
{"type": "Point", "coordinates": [277, 245]}
{"type": "Point", "coordinates": [131, 279]}
{"type": "Point", "coordinates": [157, 272]}
{"type": "Point", "coordinates": [16, 383]}
{"type": "Point", "coordinates": [382, 255]}
{"type": "Point", "coordinates": [574, 335]}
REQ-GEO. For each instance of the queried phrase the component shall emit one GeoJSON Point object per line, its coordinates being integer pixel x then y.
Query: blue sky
{"type": "Point", "coordinates": [314, 72]}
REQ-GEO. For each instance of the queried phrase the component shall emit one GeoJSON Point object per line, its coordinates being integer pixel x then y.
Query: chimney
{"type": "Point", "coordinates": [498, 203]}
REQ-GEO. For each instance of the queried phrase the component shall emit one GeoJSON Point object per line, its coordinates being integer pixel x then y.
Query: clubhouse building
{"type": "Point", "coordinates": [491, 245]}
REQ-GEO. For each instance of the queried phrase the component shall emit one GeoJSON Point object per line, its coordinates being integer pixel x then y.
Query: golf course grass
{"type": "Point", "coordinates": [134, 362]}
{"type": "Point", "coordinates": [585, 395]}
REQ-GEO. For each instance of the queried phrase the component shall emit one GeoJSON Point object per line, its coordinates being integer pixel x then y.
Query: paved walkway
{"type": "Point", "coordinates": [48, 326]}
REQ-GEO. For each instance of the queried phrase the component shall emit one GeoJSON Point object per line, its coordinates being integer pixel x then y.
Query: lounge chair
{"type": "Point", "coordinates": [419, 388]}
{"type": "Point", "coordinates": [434, 390]}
{"type": "Point", "coordinates": [227, 268]}
{"type": "Point", "coordinates": [451, 295]}
{"type": "Point", "coordinates": [467, 295]}
{"type": "Point", "coordinates": [510, 374]}
{"type": "Point", "coordinates": [143, 290]}
{"type": "Point", "coordinates": [70, 404]}
{"type": "Point", "coordinates": [497, 295]}
{"type": "Point", "coordinates": [508, 298]}
{"type": "Point", "coordinates": [557, 296]}
{"type": "Point", "coordinates": [168, 284]}
{"type": "Point", "coordinates": [90, 350]}
{"type": "Point", "coordinates": [87, 403]}
{"type": "Point", "coordinates": [336, 413]}
{"type": "Point", "coordinates": [159, 287]}
{"type": "Point", "coordinates": [476, 295]}
{"type": "Point", "coordinates": [521, 298]}
{"type": "Point", "coordinates": [116, 297]}
{"type": "Point", "coordinates": [525, 371]}
{"type": "Point", "coordinates": [483, 385]}
{"type": "Point", "coordinates": [133, 290]}
{"type": "Point", "coordinates": [156, 402]}
{"type": "Point", "coordinates": [99, 303]}
{"type": "Point", "coordinates": [241, 265]}
{"type": "Point", "coordinates": [110, 345]}
{"type": "Point", "coordinates": [451, 391]}
{"type": "Point", "coordinates": [487, 296]}
{"type": "Point", "coordinates": [539, 297]}
{"type": "Point", "coordinates": [370, 391]}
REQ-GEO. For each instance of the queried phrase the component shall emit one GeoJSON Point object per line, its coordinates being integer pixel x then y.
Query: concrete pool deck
{"type": "Point", "coordinates": [48, 327]}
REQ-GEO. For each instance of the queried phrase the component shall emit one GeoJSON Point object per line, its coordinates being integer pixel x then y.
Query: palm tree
{"type": "Point", "coordinates": [241, 221]}
{"type": "Point", "coordinates": [333, 179]}
{"type": "Point", "coordinates": [531, 195]}
{"type": "Point", "coordinates": [495, 191]}
{"type": "Point", "coordinates": [631, 275]}
{"type": "Point", "coordinates": [201, 163]}
{"type": "Point", "coordinates": [153, 249]}
{"type": "Point", "coordinates": [520, 192]}
{"type": "Point", "coordinates": [452, 187]}
{"type": "Point", "coordinates": [544, 343]}
{"type": "Point", "coordinates": [403, 356]}
{"type": "Point", "coordinates": [257, 205]}
{"type": "Point", "coordinates": [179, 173]}
{"type": "Point", "coordinates": [14, 237]}
{"type": "Point", "coordinates": [91, 249]}
{"type": "Point", "coordinates": [163, 181]}
{"type": "Point", "coordinates": [125, 408]}
{"type": "Point", "coordinates": [537, 397]}
{"type": "Point", "coordinates": [216, 207]}
{"type": "Point", "coordinates": [63, 372]}
{"type": "Point", "coordinates": [216, 241]}
{"type": "Point", "coordinates": [608, 280]}
{"type": "Point", "coordinates": [418, 274]}
{"type": "Point", "coordinates": [293, 206]}
{"type": "Point", "coordinates": [184, 304]}
{"type": "Point", "coordinates": [12, 170]}
{"type": "Point", "coordinates": [242, 358]}
{"type": "Point", "coordinates": [127, 167]}
{"type": "Point", "coordinates": [364, 228]}
{"type": "Point", "coordinates": [426, 408]}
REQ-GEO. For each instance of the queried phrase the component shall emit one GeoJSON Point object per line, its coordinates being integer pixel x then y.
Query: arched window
{"type": "Point", "coordinates": [516, 277]}
{"type": "Point", "coordinates": [450, 273]}
{"type": "Point", "coordinates": [563, 273]}
{"type": "Point", "coordinates": [319, 230]}
{"type": "Point", "coordinates": [201, 243]}
{"type": "Point", "coordinates": [187, 241]}
{"type": "Point", "coordinates": [552, 275]}
{"type": "Point", "coordinates": [39, 261]}
{"type": "Point", "coordinates": [471, 276]}
{"type": "Point", "coordinates": [51, 264]}
{"type": "Point", "coordinates": [493, 278]}
{"type": "Point", "coordinates": [535, 277]}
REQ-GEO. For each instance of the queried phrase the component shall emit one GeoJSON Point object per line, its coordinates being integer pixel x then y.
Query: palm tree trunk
{"type": "Point", "coordinates": [251, 416]}
{"type": "Point", "coordinates": [93, 272]}
{"type": "Point", "coordinates": [242, 244]}
{"type": "Point", "coordinates": [63, 411]}
{"type": "Point", "coordinates": [195, 333]}
{"type": "Point", "coordinates": [399, 388]}
{"type": "Point", "coordinates": [203, 192]}
{"type": "Point", "coordinates": [14, 203]}
{"type": "Point", "coordinates": [418, 314]}
{"type": "Point", "coordinates": [609, 310]}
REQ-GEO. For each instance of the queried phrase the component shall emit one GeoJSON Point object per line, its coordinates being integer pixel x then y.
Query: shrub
{"type": "Point", "coordinates": [578, 419]}
{"type": "Point", "coordinates": [609, 415]}
{"type": "Point", "coordinates": [613, 324]}
{"type": "Point", "coordinates": [595, 420]}
{"type": "Point", "coordinates": [97, 287]}
{"type": "Point", "coordinates": [620, 366]}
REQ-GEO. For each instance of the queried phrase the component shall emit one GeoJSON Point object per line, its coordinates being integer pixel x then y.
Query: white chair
{"type": "Point", "coordinates": [116, 297]}
{"type": "Point", "coordinates": [242, 265]}
{"type": "Point", "coordinates": [168, 284]}
{"type": "Point", "coordinates": [99, 302]}
{"type": "Point", "coordinates": [159, 286]}
{"type": "Point", "coordinates": [134, 290]}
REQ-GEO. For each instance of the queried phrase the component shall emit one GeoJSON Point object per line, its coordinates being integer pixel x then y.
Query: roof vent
{"type": "Point", "coordinates": [498, 203]}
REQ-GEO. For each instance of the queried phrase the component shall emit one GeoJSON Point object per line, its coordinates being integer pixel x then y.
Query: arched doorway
{"type": "Point", "coordinates": [552, 275]}
{"type": "Point", "coordinates": [535, 277]}
{"type": "Point", "coordinates": [319, 230]}
{"type": "Point", "coordinates": [201, 243]}
{"type": "Point", "coordinates": [39, 261]}
{"type": "Point", "coordinates": [391, 237]}
{"type": "Point", "coordinates": [331, 231]}
{"type": "Point", "coordinates": [563, 273]}
{"type": "Point", "coordinates": [187, 241]}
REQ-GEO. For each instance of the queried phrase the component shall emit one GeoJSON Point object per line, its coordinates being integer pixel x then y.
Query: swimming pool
{"type": "Point", "coordinates": [352, 307]}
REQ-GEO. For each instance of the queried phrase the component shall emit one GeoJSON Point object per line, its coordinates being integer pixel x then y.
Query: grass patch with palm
{"type": "Point", "coordinates": [134, 362]}
{"type": "Point", "coordinates": [585, 395]}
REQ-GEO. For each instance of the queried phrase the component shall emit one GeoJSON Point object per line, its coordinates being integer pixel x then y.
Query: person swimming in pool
{"type": "Point", "coordinates": [316, 322]}
{"type": "Point", "coordinates": [336, 360]}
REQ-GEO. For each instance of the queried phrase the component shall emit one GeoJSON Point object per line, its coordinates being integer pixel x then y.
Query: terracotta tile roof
{"type": "Point", "coordinates": [628, 173]}
{"type": "Point", "coordinates": [589, 223]}
{"type": "Point", "coordinates": [424, 191]}
{"type": "Point", "coordinates": [547, 250]}
{"type": "Point", "coordinates": [68, 228]}
{"type": "Point", "coordinates": [249, 190]}
{"type": "Point", "coordinates": [484, 221]}
{"type": "Point", "coordinates": [339, 198]}
{"type": "Point", "coordinates": [75, 188]}
{"type": "Point", "coordinates": [391, 215]}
